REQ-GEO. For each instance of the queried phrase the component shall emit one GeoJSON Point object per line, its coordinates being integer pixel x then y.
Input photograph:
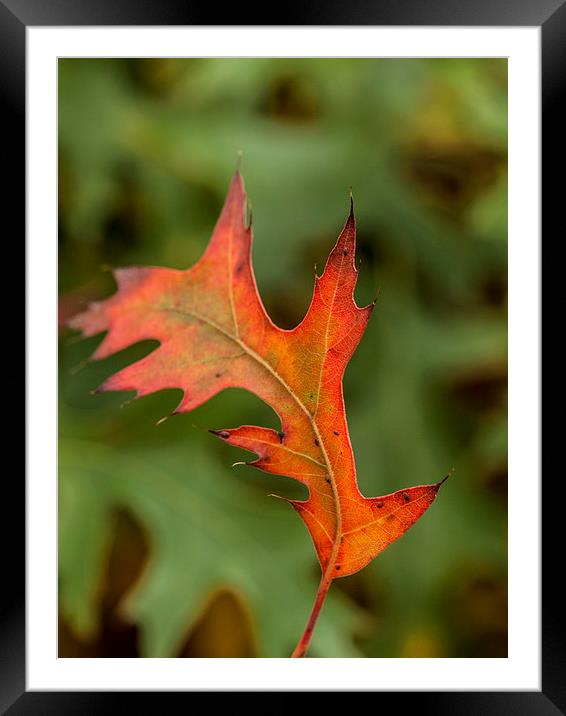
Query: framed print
{"type": "Point", "coordinates": [407, 139]}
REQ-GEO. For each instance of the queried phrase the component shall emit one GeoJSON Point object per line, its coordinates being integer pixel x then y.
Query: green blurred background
{"type": "Point", "coordinates": [164, 549]}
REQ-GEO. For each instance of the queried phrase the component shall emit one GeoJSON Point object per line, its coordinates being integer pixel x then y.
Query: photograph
{"type": "Point", "coordinates": [283, 328]}
{"type": "Point", "coordinates": [283, 357]}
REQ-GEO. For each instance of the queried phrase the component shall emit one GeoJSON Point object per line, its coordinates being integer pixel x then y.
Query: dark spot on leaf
{"type": "Point", "coordinates": [240, 268]}
{"type": "Point", "coordinates": [316, 442]}
{"type": "Point", "coordinates": [406, 497]}
{"type": "Point", "coordinates": [345, 252]}
{"type": "Point", "coordinates": [379, 505]}
{"type": "Point", "coordinates": [327, 480]}
{"type": "Point", "coordinates": [281, 436]}
{"type": "Point", "coordinates": [217, 375]}
{"type": "Point", "coordinates": [338, 567]}
{"type": "Point", "coordinates": [390, 517]}
{"type": "Point", "coordinates": [336, 433]}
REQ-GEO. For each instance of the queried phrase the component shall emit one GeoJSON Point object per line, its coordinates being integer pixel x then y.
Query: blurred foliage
{"type": "Point", "coordinates": [164, 549]}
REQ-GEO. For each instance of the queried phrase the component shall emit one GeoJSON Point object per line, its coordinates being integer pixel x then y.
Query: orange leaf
{"type": "Point", "coordinates": [214, 333]}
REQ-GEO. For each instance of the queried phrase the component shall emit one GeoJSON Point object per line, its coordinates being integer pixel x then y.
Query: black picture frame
{"type": "Point", "coordinates": [15, 16]}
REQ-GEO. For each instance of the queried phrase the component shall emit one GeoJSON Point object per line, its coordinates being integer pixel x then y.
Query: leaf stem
{"type": "Point", "coordinates": [305, 640]}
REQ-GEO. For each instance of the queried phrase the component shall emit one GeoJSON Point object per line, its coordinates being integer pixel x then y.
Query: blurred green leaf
{"type": "Point", "coordinates": [207, 532]}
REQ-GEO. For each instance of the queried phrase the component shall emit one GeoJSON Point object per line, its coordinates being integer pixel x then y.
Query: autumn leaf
{"type": "Point", "coordinates": [214, 333]}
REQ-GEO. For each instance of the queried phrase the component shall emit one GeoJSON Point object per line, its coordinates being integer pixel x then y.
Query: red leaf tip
{"type": "Point", "coordinates": [224, 434]}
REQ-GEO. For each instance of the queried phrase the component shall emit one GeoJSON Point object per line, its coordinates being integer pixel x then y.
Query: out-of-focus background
{"type": "Point", "coordinates": [164, 548]}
